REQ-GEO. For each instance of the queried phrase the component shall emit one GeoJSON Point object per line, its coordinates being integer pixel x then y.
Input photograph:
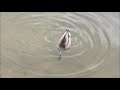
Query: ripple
{"type": "Point", "coordinates": [33, 37]}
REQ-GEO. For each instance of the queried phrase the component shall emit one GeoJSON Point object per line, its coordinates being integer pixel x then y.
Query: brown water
{"type": "Point", "coordinates": [29, 44]}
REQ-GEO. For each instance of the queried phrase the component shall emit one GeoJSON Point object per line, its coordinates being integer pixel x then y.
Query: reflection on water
{"type": "Point", "coordinates": [29, 41]}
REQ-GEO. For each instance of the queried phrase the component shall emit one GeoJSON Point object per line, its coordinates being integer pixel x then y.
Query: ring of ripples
{"type": "Point", "coordinates": [33, 41]}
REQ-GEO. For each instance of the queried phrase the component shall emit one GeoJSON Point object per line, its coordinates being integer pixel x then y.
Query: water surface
{"type": "Point", "coordinates": [29, 43]}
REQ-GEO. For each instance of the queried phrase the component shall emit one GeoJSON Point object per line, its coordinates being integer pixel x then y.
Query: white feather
{"type": "Point", "coordinates": [62, 37]}
{"type": "Point", "coordinates": [68, 41]}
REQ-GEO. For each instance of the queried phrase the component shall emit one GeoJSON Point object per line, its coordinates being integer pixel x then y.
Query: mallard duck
{"type": "Point", "coordinates": [64, 42]}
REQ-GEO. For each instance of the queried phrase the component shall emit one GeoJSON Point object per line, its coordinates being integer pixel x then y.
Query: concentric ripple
{"type": "Point", "coordinates": [30, 41]}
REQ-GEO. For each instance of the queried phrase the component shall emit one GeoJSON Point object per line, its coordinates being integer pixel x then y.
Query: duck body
{"type": "Point", "coordinates": [64, 42]}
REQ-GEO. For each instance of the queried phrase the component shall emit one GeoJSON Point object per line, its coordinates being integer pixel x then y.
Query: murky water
{"type": "Point", "coordinates": [29, 42]}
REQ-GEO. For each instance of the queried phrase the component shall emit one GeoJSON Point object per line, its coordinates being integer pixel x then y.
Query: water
{"type": "Point", "coordinates": [29, 43]}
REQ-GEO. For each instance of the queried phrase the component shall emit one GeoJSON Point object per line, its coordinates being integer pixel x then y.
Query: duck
{"type": "Point", "coordinates": [64, 42]}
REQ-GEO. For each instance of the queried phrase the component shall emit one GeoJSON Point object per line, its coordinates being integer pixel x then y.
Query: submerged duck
{"type": "Point", "coordinates": [64, 42]}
